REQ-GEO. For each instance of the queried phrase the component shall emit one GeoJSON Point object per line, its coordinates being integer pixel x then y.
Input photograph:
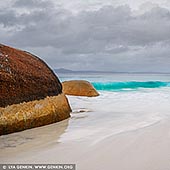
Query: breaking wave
{"type": "Point", "coordinates": [131, 85]}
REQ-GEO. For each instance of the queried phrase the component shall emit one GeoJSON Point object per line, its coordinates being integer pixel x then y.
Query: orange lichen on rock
{"type": "Point", "coordinates": [32, 114]}
{"type": "Point", "coordinates": [25, 77]}
{"type": "Point", "coordinates": [79, 88]}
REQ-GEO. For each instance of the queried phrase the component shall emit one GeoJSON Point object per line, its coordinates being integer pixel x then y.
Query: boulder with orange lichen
{"type": "Point", "coordinates": [30, 93]}
{"type": "Point", "coordinates": [79, 88]}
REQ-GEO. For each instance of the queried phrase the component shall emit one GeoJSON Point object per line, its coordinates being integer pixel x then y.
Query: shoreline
{"type": "Point", "coordinates": [145, 148]}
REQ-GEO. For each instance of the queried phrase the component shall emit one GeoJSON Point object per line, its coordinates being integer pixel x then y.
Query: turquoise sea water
{"type": "Point", "coordinates": [129, 85]}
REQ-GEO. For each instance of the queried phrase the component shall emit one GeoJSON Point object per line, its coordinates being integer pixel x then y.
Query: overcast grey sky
{"type": "Point", "coordinates": [108, 35]}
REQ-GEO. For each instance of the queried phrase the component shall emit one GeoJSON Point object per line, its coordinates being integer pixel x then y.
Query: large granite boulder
{"type": "Point", "coordinates": [24, 77]}
{"type": "Point", "coordinates": [79, 88]}
{"type": "Point", "coordinates": [30, 93]}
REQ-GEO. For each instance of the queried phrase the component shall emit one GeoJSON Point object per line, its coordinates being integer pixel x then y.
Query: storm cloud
{"type": "Point", "coordinates": [107, 36]}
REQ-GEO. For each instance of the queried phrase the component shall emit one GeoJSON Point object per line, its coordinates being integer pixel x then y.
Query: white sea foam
{"type": "Point", "coordinates": [116, 112]}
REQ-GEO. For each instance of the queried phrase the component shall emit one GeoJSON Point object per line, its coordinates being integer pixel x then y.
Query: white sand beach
{"type": "Point", "coordinates": [147, 148]}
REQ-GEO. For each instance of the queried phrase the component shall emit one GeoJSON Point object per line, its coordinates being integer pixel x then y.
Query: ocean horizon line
{"type": "Point", "coordinates": [62, 70]}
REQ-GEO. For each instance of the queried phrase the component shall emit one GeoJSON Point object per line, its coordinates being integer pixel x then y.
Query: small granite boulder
{"type": "Point", "coordinates": [79, 88]}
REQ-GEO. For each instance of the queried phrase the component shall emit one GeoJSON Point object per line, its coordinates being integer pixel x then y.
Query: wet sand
{"type": "Point", "coordinates": [143, 149]}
